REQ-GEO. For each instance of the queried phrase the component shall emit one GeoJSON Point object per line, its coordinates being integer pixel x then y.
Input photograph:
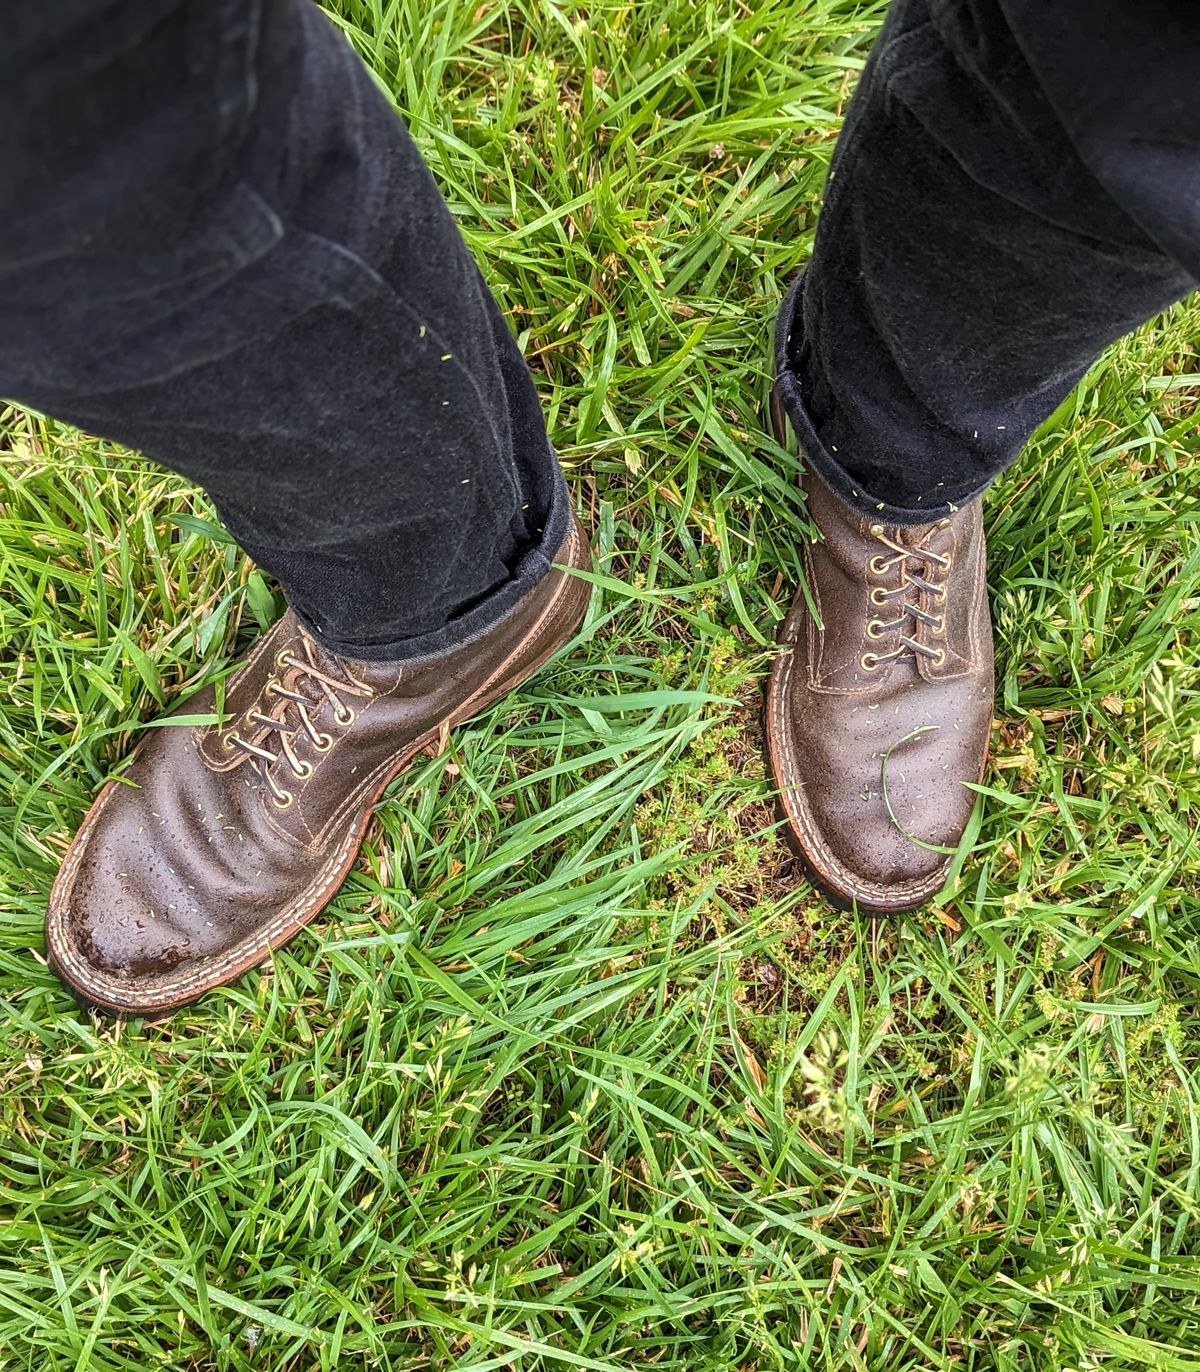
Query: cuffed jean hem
{"type": "Point", "coordinates": [789, 331]}
{"type": "Point", "coordinates": [532, 567]}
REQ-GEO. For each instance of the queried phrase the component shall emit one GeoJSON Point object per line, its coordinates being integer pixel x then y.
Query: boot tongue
{"type": "Point", "coordinates": [379, 677]}
{"type": "Point", "coordinates": [347, 678]}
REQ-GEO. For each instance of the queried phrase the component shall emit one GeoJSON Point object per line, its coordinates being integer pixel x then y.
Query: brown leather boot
{"type": "Point", "coordinates": [232, 838]}
{"type": "Point", "coordinates": [880, 709]}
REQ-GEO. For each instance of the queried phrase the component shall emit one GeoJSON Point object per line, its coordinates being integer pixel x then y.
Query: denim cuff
{"type": "Point", "coordinates": [789, 341]}
{"type": "Point", "coordinates": [535, 563]}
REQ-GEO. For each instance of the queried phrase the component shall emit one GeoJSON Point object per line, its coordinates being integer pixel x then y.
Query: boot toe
{"type": "Point", "coordinates": [877, 822]}
{"type": "Point", "coordinates": [126, 922]}
{"type": "Point", "coordinates": [884, 841]}
{"type": "Point", "coordinates": [144, 909]}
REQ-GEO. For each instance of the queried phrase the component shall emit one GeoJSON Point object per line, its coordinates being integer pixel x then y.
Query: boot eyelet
{"type": "Point", "coordinates": [324, 745]}
{"type": "Point", "coordinates": [303, 772]}
{"type": "Point", "coordinates": [283, 658]}
{"type": "Point", "coordinates": [940, 626]}
{"type": "Point", "coordinates": [284, 801]}
{"type": "Point", "coordinates": [878, 565]}
{"type": "Point", "coordinates": [869, 662]}
{"type": "Point", "coordinates": [939, 596]}
{"type": "Point", "coordinates": [344, 720]}
{"type": "Point", "coordinates": [940, 659]}
{"type": "Point", "coordinates": [875, 628]}
{"type": "Point", "coordinates": [878, 595]}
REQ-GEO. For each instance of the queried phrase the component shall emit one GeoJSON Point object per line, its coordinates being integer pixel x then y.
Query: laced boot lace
{"type": "Point", "coordinates": [918, 566]}
{"type": "Point", "coordinates": [282, 713]}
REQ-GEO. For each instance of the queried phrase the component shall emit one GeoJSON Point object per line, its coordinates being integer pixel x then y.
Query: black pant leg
{"type": "Point", "coordinates": [994, 217]}
{"type": "Point", "coordinates": [218, 244]}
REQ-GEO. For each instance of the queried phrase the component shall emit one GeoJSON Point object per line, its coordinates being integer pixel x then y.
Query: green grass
{"type": "Point", "coordinates": [578, 1073]}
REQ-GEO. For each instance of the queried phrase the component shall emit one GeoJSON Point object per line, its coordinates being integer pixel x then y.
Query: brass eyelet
{"type": "Point", "coordinates": [878, 565]}
{"type": "Point", "coordinates": [940, 626]}
{"type": "Point", "coordinates": [283, 802]}
{"type": "Point", "coordinates": [875, 628]}
{"type": "Point", "coordinates": [280, 656]}
{"type": "Point", "coordinates": [303, 772]}
{"type": "Point", "coordinates": [345, 720]}
{"type": "Point", "coordinates": [878, 595]}
{"type": "Point", "coordinates": [326, 742]}
{"type": "Point", "coordinates": [939, 596]}
{"type": "Point", "coordinates": [876, 530]}
{"type": "Point", "coordinates": [869, 662]}
{"type": "Point", "coordinates": [940, 659]}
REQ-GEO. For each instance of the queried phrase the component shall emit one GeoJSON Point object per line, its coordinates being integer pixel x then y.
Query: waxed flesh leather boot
{"type": "Point", "coordinates": [879, 705]}
{"type": "Point", "coordinates": [219, 843]}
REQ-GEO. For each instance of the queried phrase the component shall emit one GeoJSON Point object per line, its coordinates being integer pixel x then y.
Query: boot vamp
{"type": "Point", "coordinates": [180, 861]}
{"type": "Point", "coordinates": [884, 771]}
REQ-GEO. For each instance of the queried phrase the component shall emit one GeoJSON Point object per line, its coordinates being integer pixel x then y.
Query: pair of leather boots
{"type": "Point", "coordinates": [219, 843]}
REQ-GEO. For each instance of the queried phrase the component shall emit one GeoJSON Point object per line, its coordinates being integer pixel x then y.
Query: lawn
{"type": "Point", "coordinates": [577, 1072]}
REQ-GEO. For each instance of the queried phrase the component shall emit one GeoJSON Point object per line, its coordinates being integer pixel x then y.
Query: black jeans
{"type": "Point", "coordinates": [219, 245]}
{"type": "Point", "coordinates": [1017, 185]}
